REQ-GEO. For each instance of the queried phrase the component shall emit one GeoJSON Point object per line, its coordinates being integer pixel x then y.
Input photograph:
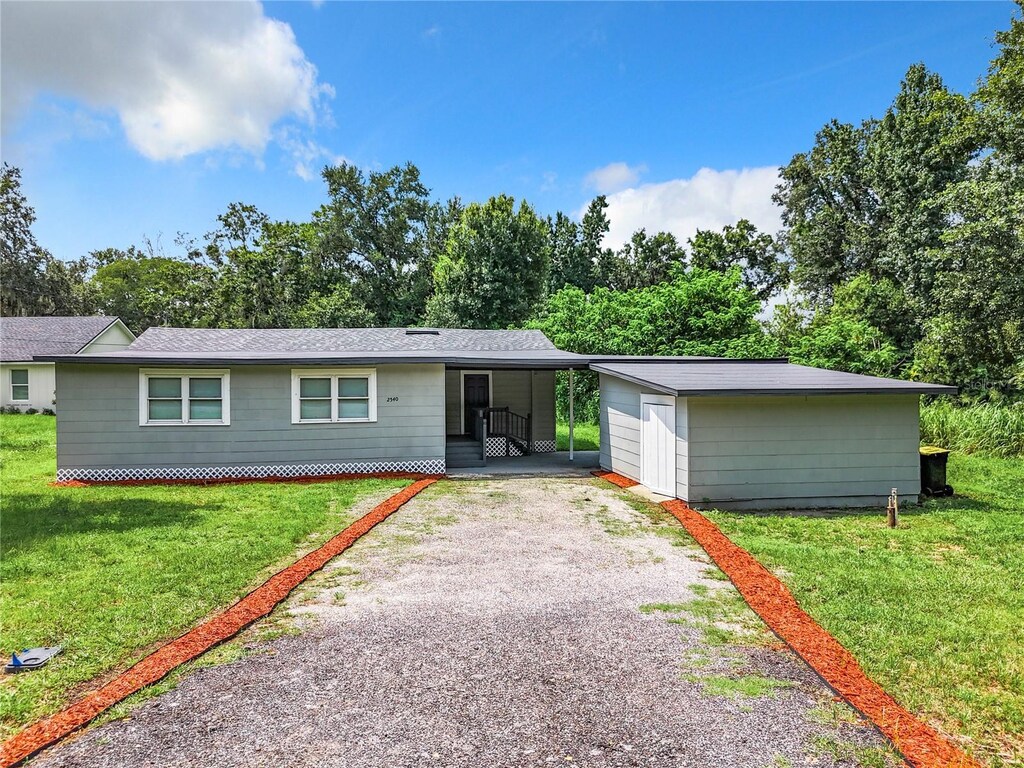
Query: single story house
{"type": "Point", "coordinates": [212, 403]}
{"type": "Point", "coordinates": [25, 383]}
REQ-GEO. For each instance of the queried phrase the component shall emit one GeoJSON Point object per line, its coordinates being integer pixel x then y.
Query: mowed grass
{"type": "Point", "coordinates": [934, 610]}
{"type": "Point", "coordinates": [586, 437]}
{"type": "Point", "coordinates": [107, 572]}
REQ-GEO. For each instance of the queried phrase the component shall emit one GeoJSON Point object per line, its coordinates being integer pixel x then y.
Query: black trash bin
{"type": "Point", "coordinates": [933, 471]}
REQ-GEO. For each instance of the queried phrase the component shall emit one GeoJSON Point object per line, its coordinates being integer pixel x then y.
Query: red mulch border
{"type": "Point", "coordinates": [921, 745]}
{"type": "Point", "coordinates": [614, 479]}
{"type": "Point", "coordinates": [225, 625]}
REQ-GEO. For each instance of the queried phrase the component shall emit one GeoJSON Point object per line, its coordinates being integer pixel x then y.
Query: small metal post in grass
{"type": "Point", "coordinates": [892, 513]}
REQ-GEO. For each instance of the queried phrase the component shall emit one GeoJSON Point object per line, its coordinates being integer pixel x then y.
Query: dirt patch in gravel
{"type": "Point", "coordinates": [494, 623]}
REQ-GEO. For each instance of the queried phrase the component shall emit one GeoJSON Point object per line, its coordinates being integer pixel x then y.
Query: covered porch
{"type": "Point", "coordinates": [502, 414]}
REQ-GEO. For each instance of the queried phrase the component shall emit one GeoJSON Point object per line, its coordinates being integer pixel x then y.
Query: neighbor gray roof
{"type": "Point", "coordinates": [756, 377]}
{"type": "Point", "coordinates": [21, 338]}
{"type": "Point", "coordinates": [345, 346]}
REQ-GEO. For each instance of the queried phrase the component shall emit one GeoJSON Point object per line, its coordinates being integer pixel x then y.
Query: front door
{"type": "Point", "coordinates": [475, 394]}
{"type": "Point", "coordinates": [658, 443]}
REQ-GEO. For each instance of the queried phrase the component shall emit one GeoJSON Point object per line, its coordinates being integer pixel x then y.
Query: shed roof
{"type": "Point", "coordinates": [22, 338]}
{"type": "Point", "coordinates": [694, 378]}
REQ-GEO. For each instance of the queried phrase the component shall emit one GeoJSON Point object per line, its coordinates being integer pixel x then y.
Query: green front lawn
{"type": "Point", "coordinates": [934, 610]}
{"type": "Point", "coordinates": [109, 571]}
{"type": "Point", "coordinates": [585, 437]}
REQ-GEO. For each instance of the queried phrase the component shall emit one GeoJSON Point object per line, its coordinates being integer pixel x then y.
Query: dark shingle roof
{"type": "Point", "coordinates": [336, 340]}
{"type": "Point", "coordinates": [757, 377]}
{"type": "Point", "coordinates": [345, 346]}
{"type": "Point", "coordinates": [23, 337]}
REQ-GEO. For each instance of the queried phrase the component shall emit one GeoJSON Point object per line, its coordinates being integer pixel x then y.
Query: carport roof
{"type": "Point", "coordinates": [696, 377]}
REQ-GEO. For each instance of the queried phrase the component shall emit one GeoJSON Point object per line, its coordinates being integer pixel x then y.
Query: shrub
{"type": "Point", "coordinates": [990, 428]}
{"type": "Point", "coordinates": [31, 411]}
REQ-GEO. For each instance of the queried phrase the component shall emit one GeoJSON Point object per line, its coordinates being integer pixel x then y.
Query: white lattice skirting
{"type": "Point", "coordinates": [496, 447]}
{"type": "Point", "coordinates": [250, 471]}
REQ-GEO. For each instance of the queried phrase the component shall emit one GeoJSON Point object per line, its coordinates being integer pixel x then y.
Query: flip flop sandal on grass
{"type": "Point", "coordinates": [30, 658]}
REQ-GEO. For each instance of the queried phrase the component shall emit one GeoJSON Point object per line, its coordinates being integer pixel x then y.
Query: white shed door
{"type": "Point", "coordinates": [658, 443]}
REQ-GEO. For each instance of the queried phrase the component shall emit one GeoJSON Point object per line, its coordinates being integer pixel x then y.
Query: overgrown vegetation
{"type": "Point", "coordinates": [108, 571]}
{"type": "Point", "coordinates": [932, 609]}
{"type": "Point", "coordinates": [989, 428]}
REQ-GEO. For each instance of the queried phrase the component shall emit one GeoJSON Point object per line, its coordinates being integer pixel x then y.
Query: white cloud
{"type": "Point", "coordinates": [308, 157]}
{"type": "Point", "coordinates": [182, 77]}
{"type": "Point", "coordinates": [613, 177]}
{"type": "Point", "coordinates": [709, 199]}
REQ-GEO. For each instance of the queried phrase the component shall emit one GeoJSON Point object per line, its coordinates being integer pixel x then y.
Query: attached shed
{"type": "Point", "coordinates": [741, 434]}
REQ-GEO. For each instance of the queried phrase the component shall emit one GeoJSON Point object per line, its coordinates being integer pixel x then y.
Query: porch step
{"type": "Point", "coordinates": [456, 462]}
{"type": "Point", "coordinates": [463, 453]}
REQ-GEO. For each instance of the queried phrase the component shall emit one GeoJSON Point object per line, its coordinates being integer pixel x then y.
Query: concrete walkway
{"type": "Point", "coordinates": [518, 622]}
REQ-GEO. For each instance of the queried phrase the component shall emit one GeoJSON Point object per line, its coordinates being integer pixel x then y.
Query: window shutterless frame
{"type": "Point", "coordinates": [334, 395]}
{"type": "Point", "coordinates": [170, 397]}
{"type": "Point", "coordinates": [19, 385]}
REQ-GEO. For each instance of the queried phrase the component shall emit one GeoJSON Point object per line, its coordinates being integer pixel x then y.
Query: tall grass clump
{"type": "Point", "coordinates": [990, 428]}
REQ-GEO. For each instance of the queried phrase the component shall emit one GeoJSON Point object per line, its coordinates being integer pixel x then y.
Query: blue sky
{"type": "Point", "coordinates": [132, 120]}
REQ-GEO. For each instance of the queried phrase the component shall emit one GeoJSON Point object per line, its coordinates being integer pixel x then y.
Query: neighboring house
{"type": "Point", "coordinates": [203, 403]}
{"type": "Point", "coordinates": [26, 384]}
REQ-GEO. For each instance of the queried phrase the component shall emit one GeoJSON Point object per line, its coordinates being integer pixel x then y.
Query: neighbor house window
{"type": "Point", "coordinates": [337, 395]}
{"type": "Point", "coordinates": [183, 397]}
{"type": "Point", "coordinates": [19, 384]}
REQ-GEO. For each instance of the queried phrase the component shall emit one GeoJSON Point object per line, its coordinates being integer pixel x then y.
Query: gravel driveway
{"type": "Point", "coordinates": [502, 623]}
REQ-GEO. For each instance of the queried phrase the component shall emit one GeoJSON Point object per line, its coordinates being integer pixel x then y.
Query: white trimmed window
{"type": "Point", "coordinates": [19, 384]}
{"type": "Point", "coordinates": [173, 397]}
{"type": "Point", "coordinates": [324, 396]}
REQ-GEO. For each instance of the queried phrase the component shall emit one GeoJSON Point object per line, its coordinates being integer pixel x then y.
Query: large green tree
{"type": "Point", "coordinates": [643, 261]}
{"type": "Point", "coordinates": [864, 198]}
{"type": "Point", "coordinates": [759, 257]}
{"type": "Point", "coordinates": [32, 281]}
{"type": "Point", "coordinates": [494, 269]}
{"type": "Point", "coordinates": [698, 312]}
{"type": "Point", "coordinates": [145, 289]}
{"type": "Point", "coordinates": [375, 224]}
{"type": "Point", "coordinates": [576, 249]}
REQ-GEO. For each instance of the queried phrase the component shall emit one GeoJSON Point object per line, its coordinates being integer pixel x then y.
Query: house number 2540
{"type": "Point", "coordinates": [392, 399]}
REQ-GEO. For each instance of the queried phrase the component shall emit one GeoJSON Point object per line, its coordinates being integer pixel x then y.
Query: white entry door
{"type": "Point", "coordinates": [658, 443]}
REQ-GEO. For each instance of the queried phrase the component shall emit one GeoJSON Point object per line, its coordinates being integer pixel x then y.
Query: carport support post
{"type": "Point", "coordinates": [570, 416]}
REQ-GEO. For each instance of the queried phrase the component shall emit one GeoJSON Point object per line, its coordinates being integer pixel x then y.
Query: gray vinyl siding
{"type": "Point", "coordinates": [818, 450]}
{"type": "Point", "coordinates": [682, 448]}
{"type": "Point", "coordinates": [522, 391]}
{"type": "Point", "coordinates": [620, 425]}
{"type": "Point", "coordinates": [99, 422]}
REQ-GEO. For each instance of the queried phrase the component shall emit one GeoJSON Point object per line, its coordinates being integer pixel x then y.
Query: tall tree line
{"type": "Point", "coordinates": [379, 252]}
